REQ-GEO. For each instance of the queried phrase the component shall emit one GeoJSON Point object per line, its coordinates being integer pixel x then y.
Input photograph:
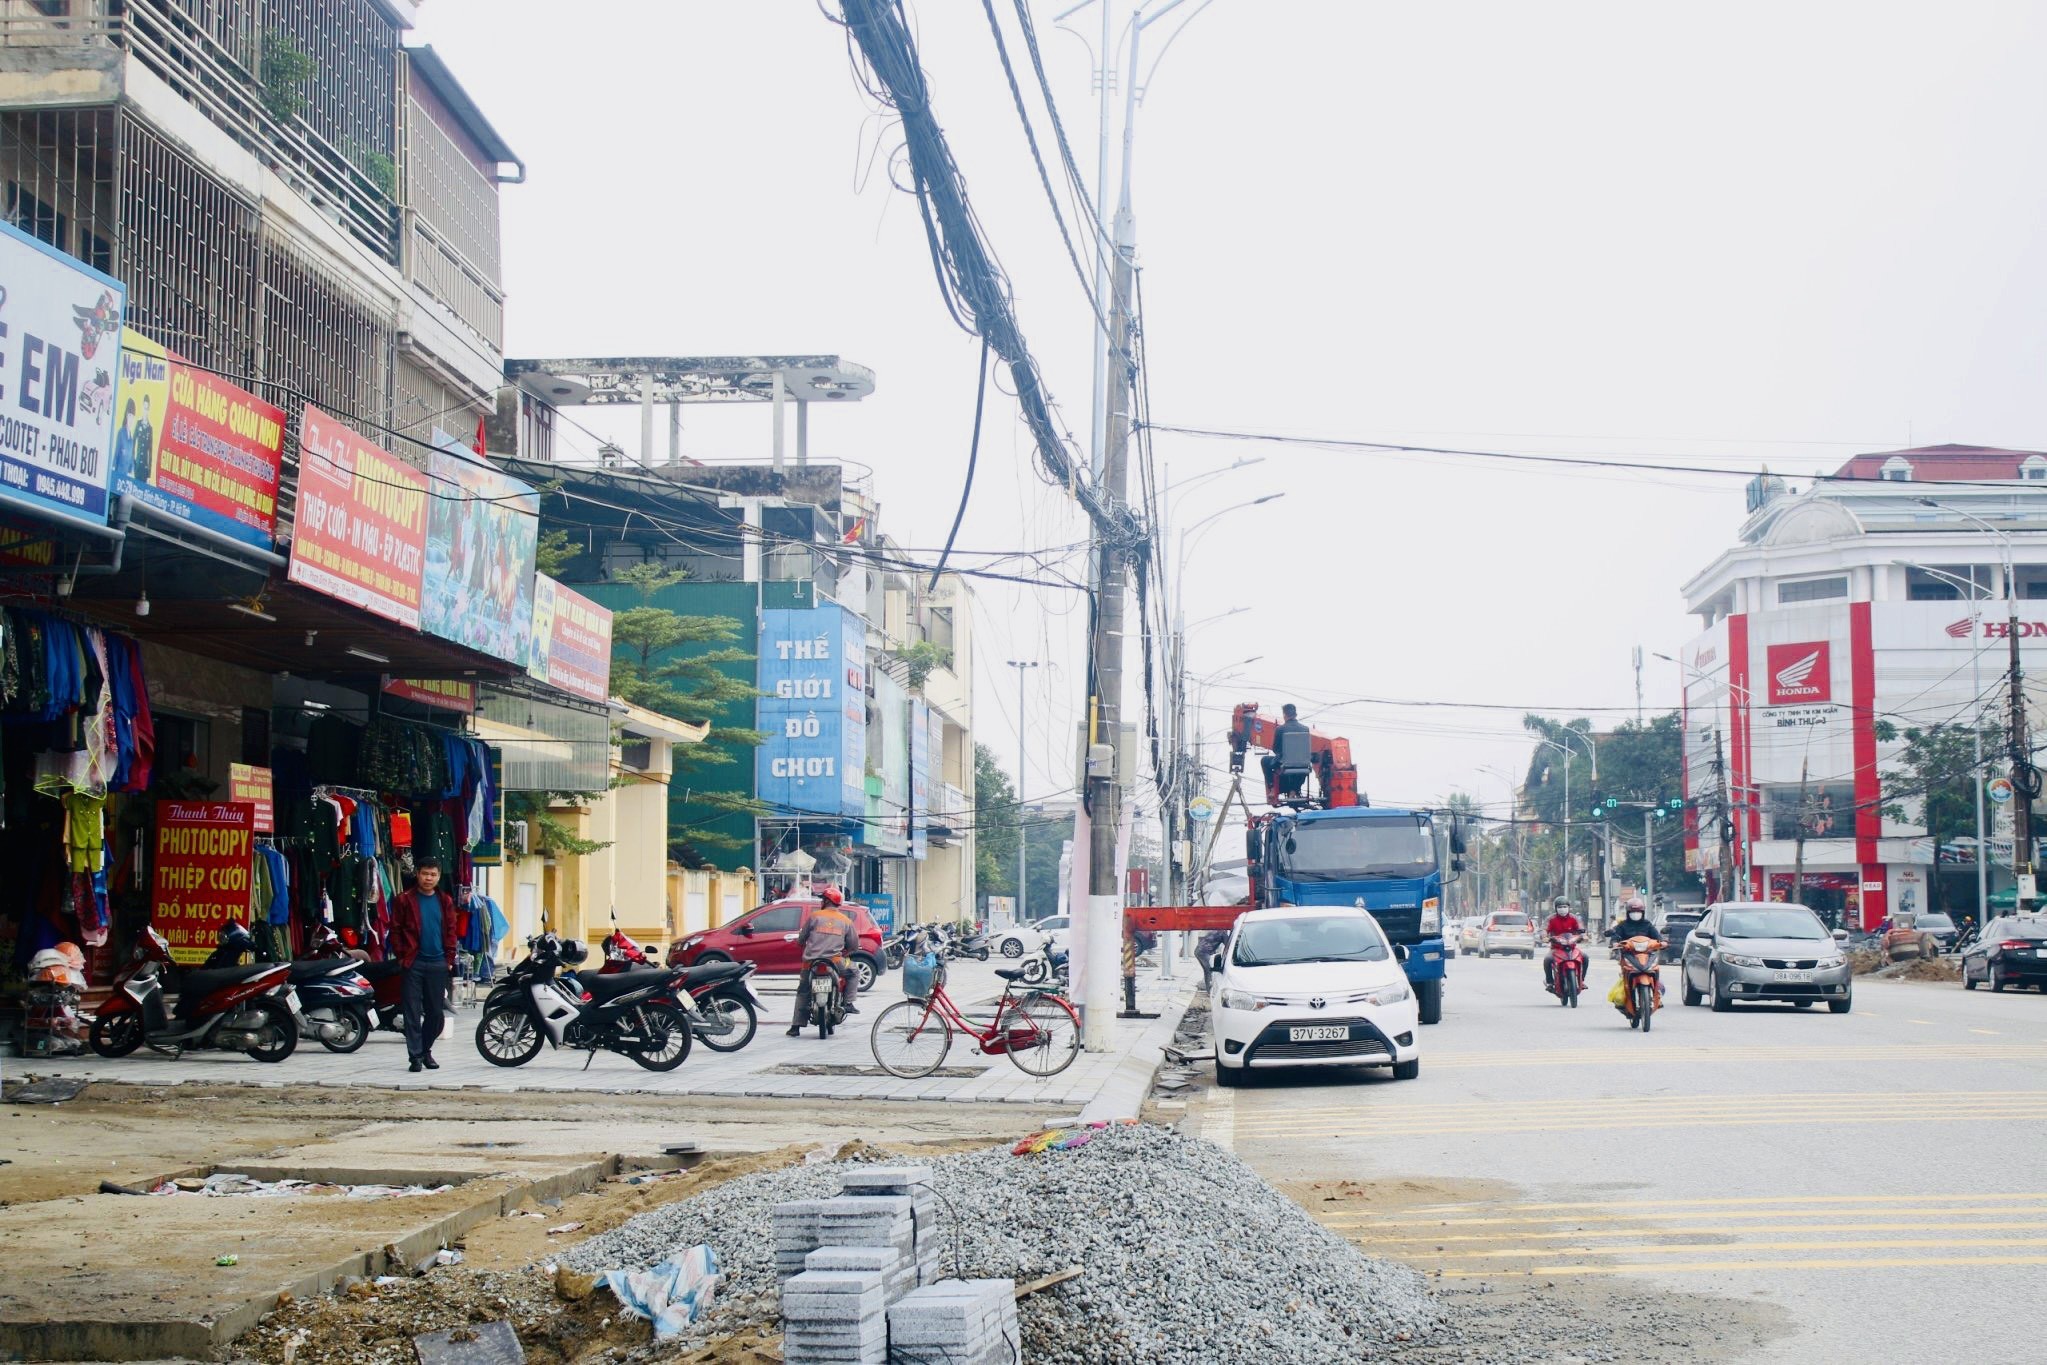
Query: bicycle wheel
{"type": "Point", "coordinates": [1044, 1033]}
{"type": "Point", "coordinates": [910, 1039]}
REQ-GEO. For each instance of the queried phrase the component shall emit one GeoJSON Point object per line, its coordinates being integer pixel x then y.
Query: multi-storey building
{"type": "Point", "coordinates": [1875, 602]}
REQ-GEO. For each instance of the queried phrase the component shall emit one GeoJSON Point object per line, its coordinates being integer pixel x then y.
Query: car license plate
{"type": "Point", "coordinates": [1794, 976]}
{"type": "Point", "coordinates": [1319, 1033]}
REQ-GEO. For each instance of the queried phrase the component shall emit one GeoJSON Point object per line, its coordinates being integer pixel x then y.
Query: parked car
{"type": "Point", "coordinates": [2011, 952]}
{"type": "Point", "coordinates": [1470, 933]}
{"type": "Point", "coordinates": [1507, 931]}
{"type": "Point", "coordinates": [1757, 950]}
{"type": "Point", "coordinates": [1915, 937]}
{"type": "Point", "coordinates": [1940, 926]}
{"type": "Point", "coordinates": [1312, 985]}
{"type": "Point", "coordinates": [1677, 927]}
{"type": "Point", "coordinates": [1022, 940]}
{"type": "Point", "coordinates": [766, 937]}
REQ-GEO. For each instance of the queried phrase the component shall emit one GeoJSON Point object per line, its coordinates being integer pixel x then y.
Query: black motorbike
{"type": "Point", "coordinates": [543, 1002]}
{"type": "Point", "coordinates": [336, 1002]}
{"type": "Point", "coordinates": [1046, 967]}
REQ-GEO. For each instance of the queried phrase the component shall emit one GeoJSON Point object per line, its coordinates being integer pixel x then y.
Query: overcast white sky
{"type": "Point", "coordinates": [1718, 234]}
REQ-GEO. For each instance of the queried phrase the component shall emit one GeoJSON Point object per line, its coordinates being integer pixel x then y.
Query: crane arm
{"type": "Point", "coordinates": [1328, 754]}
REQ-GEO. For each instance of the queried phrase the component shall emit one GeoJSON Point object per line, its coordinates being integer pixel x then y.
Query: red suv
{"type": "Point", "coordinates": [766, 937]}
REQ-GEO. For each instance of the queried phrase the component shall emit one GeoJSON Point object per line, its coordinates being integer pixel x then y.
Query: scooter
{"type": "Point", "coordinates": [723, 1012]}
{"type": "Point", "coordinates": [386, 978]}
{"type": "Point", "coordinates": [542, 1002]}
{"type": "Point", "coordinates": [236, 1009]}
{"type": "Point", "coordinates": [1641, 982]}
{"type": "Point", "coordinates": [1045, 965]}
{"type": "Point", "coordinates": [1566, 970]}
{"type": "Point", "coordinates": [900, 944]}
{"type": "Point", "coordinates": [827, 998]}
{"type": "Point", "coordinates": [337, 1005]}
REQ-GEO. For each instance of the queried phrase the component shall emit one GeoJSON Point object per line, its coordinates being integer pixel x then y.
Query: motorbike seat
{"type": "Point", "coordinates": [715, 971]}
{"type": "Point", "coordinates": [199, 984]}
{"type": "Point", "coordinates": [1010, 973]}
{"type": "Point", "coordinates": [377, 971]}
{"type": "Point", "coordinates": [314, 968]}
{"type": "Point", "coordinates": [603, 988]}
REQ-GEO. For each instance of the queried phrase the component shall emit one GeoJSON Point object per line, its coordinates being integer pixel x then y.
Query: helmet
{"type": "Point", "coordinates": [53, 966]}
{"type": "Point", "coordinates": [1637, 906]}
{"type": "Point", "coordinates": [234, 935]}
{"type": "Point", "coordinates": [574, 951]}
{"type": "Point", "coordinates": [1563, 906]}
{"type": "Point", "coordinates": [830, 895]}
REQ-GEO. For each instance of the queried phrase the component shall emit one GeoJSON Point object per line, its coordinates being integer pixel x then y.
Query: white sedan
{"type": "Point", "coordinates": [1312, 985]}
{"type": "Point", "coordinates": [1024, 939]}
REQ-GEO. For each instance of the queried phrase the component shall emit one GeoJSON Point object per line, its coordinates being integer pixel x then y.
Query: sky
{"type": "Point", "coordinates": [1723, 236]}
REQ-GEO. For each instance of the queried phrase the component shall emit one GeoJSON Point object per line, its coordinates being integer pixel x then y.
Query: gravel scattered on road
{"type": "Point", "coordinates": [1188, 1254]}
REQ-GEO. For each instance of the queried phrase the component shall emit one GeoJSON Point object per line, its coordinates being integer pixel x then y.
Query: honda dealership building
{"type": "Point", "coordinates": [1846, 614]}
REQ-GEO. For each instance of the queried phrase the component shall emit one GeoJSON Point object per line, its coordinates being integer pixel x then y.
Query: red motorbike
{"type": "Point", "coordinates": [1566, 970]}
{"type": "Point", "coordinates": [249, 1009]}
{"type": "Point", "coordinates": [722, 1012]}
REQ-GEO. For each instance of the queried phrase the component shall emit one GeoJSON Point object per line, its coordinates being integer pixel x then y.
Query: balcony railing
{"type": "Point", "coordinates": [171, 46]}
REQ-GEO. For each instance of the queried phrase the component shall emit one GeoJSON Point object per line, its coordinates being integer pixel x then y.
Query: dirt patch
{"type": "Point", "coordinates": [1323, 1197]}
{"type": "Point", "coordinates": [1920, 969]}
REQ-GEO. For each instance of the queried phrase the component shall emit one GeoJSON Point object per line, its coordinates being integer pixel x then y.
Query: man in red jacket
{"type": "Point", "coordinates": [424, 938]}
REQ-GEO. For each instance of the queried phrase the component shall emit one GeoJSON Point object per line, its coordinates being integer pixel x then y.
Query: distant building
{"type": "Point", "coordinates": [1872, 602]}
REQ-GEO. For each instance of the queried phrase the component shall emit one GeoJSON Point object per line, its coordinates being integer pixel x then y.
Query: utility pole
{"type": "Point", "coordinates": [1638, 687]}
{"type": "Point", "coordinates": [1723, 808]}
{"type": "Point", "coordinates": [2025, 779]}
{"type": "Point", "coordinates": [1649, 856]}
{"type": "Point", "coordinates": [1022, 748]}
{"type": "Point", "coordinates": [1798, 864]}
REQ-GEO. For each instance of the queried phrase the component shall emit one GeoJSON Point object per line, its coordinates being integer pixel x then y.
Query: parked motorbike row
{"type": "Point", "coordinates": [631, 1006]}
{"type": "Point", "coordinates": [947, 940]}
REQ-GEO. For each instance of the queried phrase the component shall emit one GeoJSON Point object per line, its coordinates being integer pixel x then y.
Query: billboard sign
{"type": "Point", "coordinates": [360, 530]}
{"type": "Point", "coordinates": [190, 444]}
{"type": "Point", "coordinates": [809, 763]}
{"type": "Point", "coordinates": [204, 853]}
{"type": "Point", "coordinates": [446, 694]}
{"type": "Point", "coordinates": [1801, 674]}
{"type": "Point", "coordinates": [60, 346]}
{"type": "Point", "coordinates": [482, 529]}
{"type": "Point", "coordinates": [571, 641]}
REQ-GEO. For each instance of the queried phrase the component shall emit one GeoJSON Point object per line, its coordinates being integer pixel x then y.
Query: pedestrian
{"type": "Point", "coordinates": [424, 938]}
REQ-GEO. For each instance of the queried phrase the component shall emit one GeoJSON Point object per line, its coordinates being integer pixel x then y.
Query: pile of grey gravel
{"type": "Point", "coordinates": [1187, 1254]}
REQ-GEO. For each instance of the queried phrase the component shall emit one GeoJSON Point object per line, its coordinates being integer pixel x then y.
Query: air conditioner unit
{"type": "Point", "coordinates": [515, 840]}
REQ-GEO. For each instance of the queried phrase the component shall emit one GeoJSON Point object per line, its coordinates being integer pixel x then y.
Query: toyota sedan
{"type": "Point", "coordinates": [1312, 985]}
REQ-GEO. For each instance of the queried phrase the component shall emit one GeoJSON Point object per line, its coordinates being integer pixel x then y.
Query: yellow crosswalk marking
{"type": "Point", "coordinates": [1747, 1201]}
{"type": "Point", "coordinates": [1817, 1263]}
{"type": "Point", "coordinates": [1390, 1245]}
{"type": "Point", "coordinates": [1733, 1248]}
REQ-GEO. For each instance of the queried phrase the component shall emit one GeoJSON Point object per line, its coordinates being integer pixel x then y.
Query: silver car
{"type": "Point", "coordinates": [1758, 950]}
{"type": "Point", "coordinates": [1507, 931]}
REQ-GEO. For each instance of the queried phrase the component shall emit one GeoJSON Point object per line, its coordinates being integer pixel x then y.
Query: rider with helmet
{"type": "Point", "coordinates": [1561, 921]}
{"type": "Point", "coordinates": [828, 935]}
{"type": "Point", "coordinates": [1634, 923]}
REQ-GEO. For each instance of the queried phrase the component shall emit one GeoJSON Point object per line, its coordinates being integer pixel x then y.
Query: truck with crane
{"type": "Point", "coordinates": [1323, 843]}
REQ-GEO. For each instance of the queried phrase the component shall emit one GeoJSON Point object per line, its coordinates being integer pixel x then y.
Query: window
{"type": "Point", "coordinates": [1897, 469]}
{"type": "Point", "coordinates": [637, 754]}
{"type": "Point", "coordinates": [777, 919]}
{"type": "Point", "coordinates": [1948, 582]}
{"type": "Point", "coordinates": [2034, 467]}
{"type": "Point", "coordinates": [1812, 590]}
{"type": "Point", "coordinates": [2032, 581]}
{"type": "Point", "coordinates": [1332, 938]}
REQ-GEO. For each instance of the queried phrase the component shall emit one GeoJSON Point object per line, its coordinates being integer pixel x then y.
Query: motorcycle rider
{"type": "Point", "coordinates": [1561, 921]}
{"type": "Point", "coordinates": [1634, 923]}
{"type": "Point", "coordinates": [828, 935]}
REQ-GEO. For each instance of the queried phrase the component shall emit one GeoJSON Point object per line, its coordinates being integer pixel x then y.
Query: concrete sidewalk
{"type": "Point", "coordinates": [773, 1066]}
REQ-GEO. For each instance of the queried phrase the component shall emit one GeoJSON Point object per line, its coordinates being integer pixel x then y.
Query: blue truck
{"type": "Point", "coordinates": [1323, 843]}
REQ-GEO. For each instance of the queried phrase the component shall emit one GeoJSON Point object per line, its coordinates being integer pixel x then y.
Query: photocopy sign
{"type": "Point", "coordinates": [360, 533]}
{"type": "Point", "coordinates": [204, 850]}
{"type": "Point", "coordinates": [60, 346]}
{"type": "Point", "coordinates": [809, 762]}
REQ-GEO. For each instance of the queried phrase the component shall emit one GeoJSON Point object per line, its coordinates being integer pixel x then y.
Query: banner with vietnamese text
{"type": "Point", "coordinates": [203, 854]}
{"type": "Point", "coordinates": [359, 532]}
{"type": "Point", "coordinates": [482, 532]}
{"type": "Point", "coordinates": [60, 344]}
{"type": "Point", "coordinates": [191, 444]}
{"type": "Point", "coordinates": [571, 641]}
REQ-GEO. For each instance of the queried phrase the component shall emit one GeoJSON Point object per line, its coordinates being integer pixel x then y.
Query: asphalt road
{"type": "Point", "coordinates": [1869, 1186]}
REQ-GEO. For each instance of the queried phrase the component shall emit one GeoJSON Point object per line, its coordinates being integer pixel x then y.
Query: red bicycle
{"type": "Point", "coordinates": [1038, 1030]}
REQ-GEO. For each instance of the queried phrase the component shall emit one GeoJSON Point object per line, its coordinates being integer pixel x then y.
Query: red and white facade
{"type": "Point", "coordinates": [1843, 613]}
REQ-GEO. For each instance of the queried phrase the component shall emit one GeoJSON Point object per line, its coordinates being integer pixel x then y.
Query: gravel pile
{"type": "Point", "coordinates": [1188, 1254]}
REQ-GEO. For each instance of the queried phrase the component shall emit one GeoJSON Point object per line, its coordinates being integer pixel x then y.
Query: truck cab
{"type": "Point", "coordinates": [1390, 862]}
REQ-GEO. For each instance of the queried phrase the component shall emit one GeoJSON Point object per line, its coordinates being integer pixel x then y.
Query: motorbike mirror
{"type": "Point", "coordinates": [1840, 936]}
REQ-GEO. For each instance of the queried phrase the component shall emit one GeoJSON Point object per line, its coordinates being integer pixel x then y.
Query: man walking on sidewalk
{"type": "Point", "coordinates": [423, 937]}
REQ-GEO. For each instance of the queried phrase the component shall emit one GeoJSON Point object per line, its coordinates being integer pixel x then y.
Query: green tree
{"type": "Point", "coordinates": [1639, 765]}
{"type": "Point", "coordinates": [647, 670]}
{"type": "Point", "coordinates": [996, 818]}
{"type": "Point", "coordinates": [1934, 778]}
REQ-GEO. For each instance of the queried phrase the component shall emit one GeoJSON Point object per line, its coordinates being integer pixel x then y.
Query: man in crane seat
{"type": "Point", "coordinates": [1292, 757]}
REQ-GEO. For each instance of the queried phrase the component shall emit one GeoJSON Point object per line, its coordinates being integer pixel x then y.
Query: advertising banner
{"type": "Point", "coordinates": [204, 851]}
{"type": "Point", "coordinates": [360, 531]}
{"type": "Point", "coordinates": [246, 782]}
{"type": "Point", "coordinates": [189, 443]}
{"type": "Point", "coordinates": [482, 529]}
{"type": "Point", "coordinates": [571, 641]}
{"type": "Point", "coordinates": [449, 694]}
{"type": "Point", "coordinates": [60, 344]}
{"type": "Point", "coordinates": [802, 672]}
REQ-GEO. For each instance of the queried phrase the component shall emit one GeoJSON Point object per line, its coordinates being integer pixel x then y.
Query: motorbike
{"type": "Point", "coordinates": [827, 999]}
{"type": "Point", "coordinates": [901, 944]}
{"type": "Point", "coordinates": [1641, 981]}
{"type": "Point", "coordinates": [386, 978]}
{"type": "Point", "coordinates": [337, 1005]}
{"type": "Point", "coordinates": [236, 1009]}
{"type": "Point", "coordinates": [1046, 966]}
{"type": "Point", "coordinates": [1566, 970]}
{"type": "Point", "coordinates": [542, 1002]}
{"type": "Point", "coordinates": [953, 943]}
{"type": "Point", "coordinates": [723, 1011]}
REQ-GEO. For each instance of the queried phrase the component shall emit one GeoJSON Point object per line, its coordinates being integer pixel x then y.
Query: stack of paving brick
{"type": "Point", "coordinates": [956, 1322]}
{"type": "Point", "coordinates": [795, 1225]}
{"type": "Point", "coordinates": [886, 1206]}
{"type": "Point", "coordinates": [836, 1316]}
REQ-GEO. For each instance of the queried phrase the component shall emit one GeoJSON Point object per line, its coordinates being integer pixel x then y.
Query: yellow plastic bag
{"type": "Point", "coordinates": [1618, 996]}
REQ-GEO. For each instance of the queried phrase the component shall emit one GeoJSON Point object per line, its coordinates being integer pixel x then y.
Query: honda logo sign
{"type": "Point", "coordinates": [1800, 675]}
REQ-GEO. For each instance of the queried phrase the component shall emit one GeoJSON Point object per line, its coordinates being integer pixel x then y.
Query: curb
{"type": "Point", "coordinates": [1123, 1094]}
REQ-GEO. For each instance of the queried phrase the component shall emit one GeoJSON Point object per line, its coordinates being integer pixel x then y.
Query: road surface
{"type": "Point", "coordinates": [1867, 1186]}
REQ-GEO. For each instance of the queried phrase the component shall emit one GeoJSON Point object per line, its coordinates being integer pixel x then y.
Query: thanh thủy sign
{"type": "Point", "coordinates": [204, 851]}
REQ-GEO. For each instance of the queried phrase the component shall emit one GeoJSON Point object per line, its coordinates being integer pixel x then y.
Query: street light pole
{"type": "Point", "coordinates": [1022, 835]}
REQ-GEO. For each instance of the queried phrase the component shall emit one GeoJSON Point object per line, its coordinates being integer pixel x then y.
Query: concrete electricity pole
{"type": "Point", "coordinates": [1022, 842]}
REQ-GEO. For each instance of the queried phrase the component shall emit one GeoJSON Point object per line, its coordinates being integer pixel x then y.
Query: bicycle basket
{"type": "Point", "coordinates": [923, 974]}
